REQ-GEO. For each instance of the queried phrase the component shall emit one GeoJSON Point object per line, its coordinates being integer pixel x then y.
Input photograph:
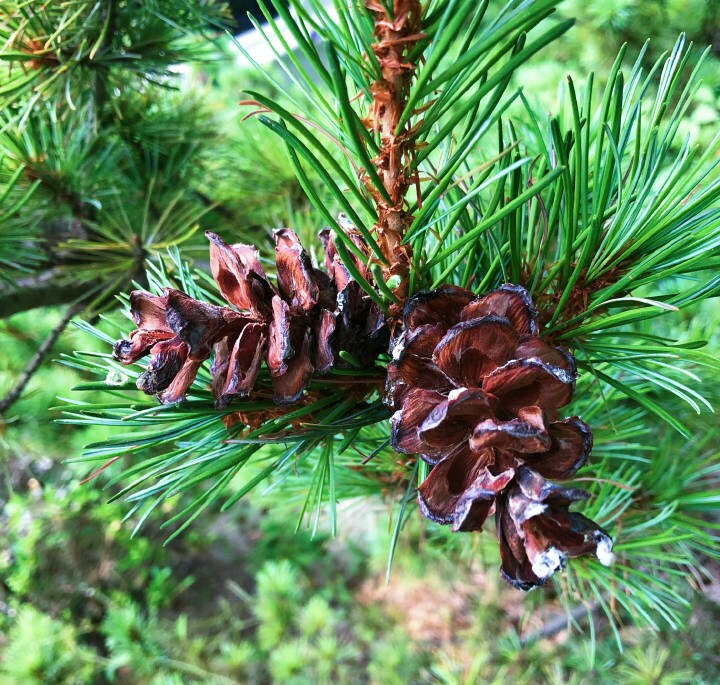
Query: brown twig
{"type": "Point", "coordinates": [42, 289]}
{"type": "Point", "coordinates": [559, 622]}
{"type": "Point", "coordinates": [37, 358]}
{"type": "Point", "coordinates": [396, 36]}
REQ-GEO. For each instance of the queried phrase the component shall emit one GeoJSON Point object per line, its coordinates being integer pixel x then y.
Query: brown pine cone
{"type": "Point", "coordinates": [296, 327]}
{"type": "Point", "coordinates": [477, 393]}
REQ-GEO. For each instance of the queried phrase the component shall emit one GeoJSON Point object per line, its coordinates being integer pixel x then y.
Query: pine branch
{"type": "Point", "coordinates": [44, 289]}
{"type": "Point", "coordinates": [591, 211]}
{"type": "Point", "coordinates": [37, 359]}
{"type": "Point", "coordinates": [396, 36]}
{"type": "Point", "coordinates": [561, 621]}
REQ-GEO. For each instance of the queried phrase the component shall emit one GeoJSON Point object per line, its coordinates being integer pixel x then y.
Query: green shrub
{"type": "Point", "coordinates": [70, 544]}
{"type": "Point", "coordinates": [43, 651]}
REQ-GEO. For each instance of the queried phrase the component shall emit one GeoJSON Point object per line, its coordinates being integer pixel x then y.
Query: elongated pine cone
{"type": "Point", "coordinates": [477, 394]}
{"type": "Point", "coordinates": [296, 327]}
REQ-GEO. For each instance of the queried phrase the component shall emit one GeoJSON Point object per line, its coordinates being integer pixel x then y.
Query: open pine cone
{"type": "Point", "coordinates": [296, 327]}
{"type": "Point", "coordinates": [477, 393]}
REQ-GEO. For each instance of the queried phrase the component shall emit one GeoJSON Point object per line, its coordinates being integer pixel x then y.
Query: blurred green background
{"type": "Point", "coordinates": [242, 597]}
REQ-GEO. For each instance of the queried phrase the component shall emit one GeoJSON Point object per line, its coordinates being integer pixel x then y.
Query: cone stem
{"type": "Point", "coordinates": [396, 35]}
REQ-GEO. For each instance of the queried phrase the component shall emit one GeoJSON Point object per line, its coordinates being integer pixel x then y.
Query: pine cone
{"type": "Point", "coordinates": [179, 333]}
{"type": "Point", "coordinates": [296, 327]}
{"type": "Point", "coordinates": [477, 394]}
{"type": "Point", "coordinates": [536, 532]}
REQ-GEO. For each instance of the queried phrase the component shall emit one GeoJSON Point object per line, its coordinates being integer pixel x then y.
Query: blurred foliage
{"type": "Point", "coordinates": [83, 603]}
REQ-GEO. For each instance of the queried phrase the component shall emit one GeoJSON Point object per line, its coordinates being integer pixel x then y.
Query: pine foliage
{"type": "Point", "coordinates": [602, 212]}
{"type": "Point", "coordinates": [101, 159]}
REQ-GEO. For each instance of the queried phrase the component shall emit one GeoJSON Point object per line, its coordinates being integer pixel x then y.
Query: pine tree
{"type": "Point", "coordinates": [103, 161]}
{"type": "Point", "coordinates": [489, 305]}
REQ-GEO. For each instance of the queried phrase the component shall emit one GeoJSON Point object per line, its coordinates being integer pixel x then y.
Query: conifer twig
{"type": "Point", "coordinates": [560, 621]}
{"type": "Point", "coordinates": [37, 358]}
{"type": "Point", "coordinates": [40, 289]}
{"type": "Point", "coordinates": [396, 35]}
